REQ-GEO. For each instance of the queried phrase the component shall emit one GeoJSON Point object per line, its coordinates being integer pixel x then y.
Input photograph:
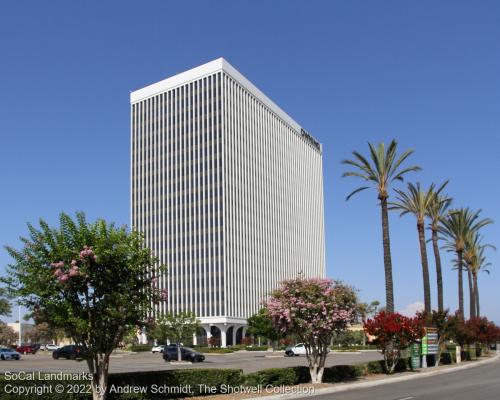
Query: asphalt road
{"type": "Point", "coordinates": [250, 361]}
{"type": "Point", "coordinates": [478, 383]}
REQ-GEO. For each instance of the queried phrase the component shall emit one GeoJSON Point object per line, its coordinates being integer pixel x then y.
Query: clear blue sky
{"type": "Point", "coordinates": [426, 73]}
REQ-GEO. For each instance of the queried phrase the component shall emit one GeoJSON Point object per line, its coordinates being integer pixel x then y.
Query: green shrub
{"type": "Point", "coordinates": [214, 350]}
{"type": "Point", "coordinates": [302, 374]}
{"type": "Point", "coordinates": [339, 373]}
{"type": "Point", "coordinates": [375, 367]}
{"type": "Point", "coordinates": [139, 347]}
{"type": "Point", "coordinates": [297, 375]}
{"type": "Point", "coordinates": [273, 377]}
{"type": "Point", "coordinates": [237, 347]}
{"type": "Point", "coordinates": [173, 378]}
{"type": "Point", "coordinates": [176, 378]}
{"type": "Point", "coordinates": [256, 348]}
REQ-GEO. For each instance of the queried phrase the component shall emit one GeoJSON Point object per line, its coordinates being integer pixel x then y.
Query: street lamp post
{"type": "Point", "coordinates": [20, 325]}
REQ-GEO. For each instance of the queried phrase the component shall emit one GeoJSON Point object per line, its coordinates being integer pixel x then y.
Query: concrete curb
{"type": "Point", "coordinates": [379, 382]}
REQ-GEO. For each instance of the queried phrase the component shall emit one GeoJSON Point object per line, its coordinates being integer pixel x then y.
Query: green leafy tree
{"type": "Point", "coordinates": [5, 306]}
{"type": "Point", "coordinates": [261, 324]}
{"type": "Point", "coordinates": [43, 332]}
{"type": "Point", "coordinates": [417, 202]}
{"type": "Point", "coordinates": [7, 334]}
{"type": "Point", "coordinates": [455, 228]}
{"type": "Point", "coordinates": [93, 280]}
{"type": "Point", "coordinates": [365, 311]}
{"type": "Point", "coordinates": [437, 212]}
{"type": "Point", "coordinates": [383, 168]}
{"type": "Point", "coordinates": [131, 336]}
{"type": "Point", "coordinates": [177, 327]}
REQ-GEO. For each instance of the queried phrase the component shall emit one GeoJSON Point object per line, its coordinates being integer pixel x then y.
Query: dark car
{"type": "Point", "coordinates": [9, 354]}
{"type": "Point", "coordinates": [71, 352]}
{"type": "Point", "coordinates": [27, 349]}
{"type": "Point", "coordinates": [187, 354]}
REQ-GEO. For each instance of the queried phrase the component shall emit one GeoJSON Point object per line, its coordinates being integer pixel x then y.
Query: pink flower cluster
{"type": "Point", "coordinates": [87, 254]}
{"type": "Point", "coordinates": [64, 274]}
{"type": "Point", "coordinates": [313, 307]}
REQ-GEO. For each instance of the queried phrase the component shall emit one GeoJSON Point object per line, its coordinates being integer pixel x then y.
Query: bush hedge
{"type": "Point", "coordinates": [337, 373]}
{"type": "Point", "coordinates": [256, 348]}
{"type": "Point", "coordinates": [139, 347]}
{"type": "Point", "coordinates": [274, 377]}
{"type": "Point", "coordinates": [194, 379]}
{"type": "Point", "coordinates": [214, 350]}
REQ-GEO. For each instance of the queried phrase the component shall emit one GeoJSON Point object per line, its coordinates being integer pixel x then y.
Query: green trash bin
{"type": "Point", "coordinates": [415, 356]}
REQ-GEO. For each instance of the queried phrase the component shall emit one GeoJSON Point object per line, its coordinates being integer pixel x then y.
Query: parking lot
{"type": "Point", "coordinates": [249, 361]}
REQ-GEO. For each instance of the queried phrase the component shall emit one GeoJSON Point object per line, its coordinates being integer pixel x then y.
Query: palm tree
{"type": "Point", "coordinates": [455, 227]}
{"type": "Point", "coordinates": [475, 260]}
{"type": "Point", "coordinates": [436, 212]}
{"type": "Point", "coordinates": [417, 202]}
{"type": "Point", "coordinates": [383, 169]}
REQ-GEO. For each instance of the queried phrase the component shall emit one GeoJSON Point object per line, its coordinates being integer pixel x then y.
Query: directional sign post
{"type": "Point", "coordinates": [430, 344]}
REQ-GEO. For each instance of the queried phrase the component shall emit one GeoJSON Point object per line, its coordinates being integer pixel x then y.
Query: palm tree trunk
{"type": "Point", "coordinates": [476, 293]}
{"type": "Point", "coordinates": [425, 267]}
{"type": "Point", "coordinates": [472, 296]}
{"type": "Point", "coordinates": [439, 273]}
{"type": "Point", "coordinates": [389, 288]}
{"type": "Point", "coordinates": [460, 284]}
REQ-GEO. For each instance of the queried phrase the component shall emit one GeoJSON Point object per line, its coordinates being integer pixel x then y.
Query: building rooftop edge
{"type": "Point", "coordinates": [220, 64]}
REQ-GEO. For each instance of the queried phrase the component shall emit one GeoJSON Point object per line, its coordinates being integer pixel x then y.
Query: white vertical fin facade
{"type": "Point", "coordinates": [227, 190]}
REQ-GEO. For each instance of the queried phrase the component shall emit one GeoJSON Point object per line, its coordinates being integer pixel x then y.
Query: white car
{"type": "Point", "coordinates": [158, 349]}
{"type": "Point", "coordinates": [298, 350]}
{"type": "Point", "coordinates": [51, 347]}
{"type": "Point", "coordinates": [9, 354]}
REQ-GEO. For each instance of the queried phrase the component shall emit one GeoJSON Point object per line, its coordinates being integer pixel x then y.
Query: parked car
{"type": "Point", "coordinates": [27, 349]}
{"type": "Point", "coordinates": [187, 354]}
{"type": "Point", "coordinates": [51, 347]}
{"type": "Point", "coordinates": [9, 354]}
{"type": "Point", "coordinates": [158, 349]}
{"type": "Point", "coordinates": [70, 352]}
{"type": "Point", "coordinates": [298, 350]}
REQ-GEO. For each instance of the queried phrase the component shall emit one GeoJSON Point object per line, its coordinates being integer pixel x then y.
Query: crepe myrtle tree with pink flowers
{"type": "Point", "coordinates": [92, 280]}
{"type": "Point", "coordinates": [312, 310]}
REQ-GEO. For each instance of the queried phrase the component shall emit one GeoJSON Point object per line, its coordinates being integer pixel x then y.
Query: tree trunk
{"type": "Point", "coordinates": [389, 289]}
{"type": "Point", "coordinates": [179, 356]}
{"type": "Point", "coordinates": [316, 357]}
{"type": "Point", "coordinates": [476, 294]}
{"type": "Point", "coordinates": [425, 267]}
{"type": "Point", "coordinates": [472, 296]}
{"type": "Point", "coordinates": [98, 367]}
{"type": "Point", "coordinates": [439, 274]}
{"type": "Point", "coordinates": [460, 284]}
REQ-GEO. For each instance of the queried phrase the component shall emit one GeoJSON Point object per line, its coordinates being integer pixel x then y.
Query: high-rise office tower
{"type": "Point", "coordinates": [228, 191]}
